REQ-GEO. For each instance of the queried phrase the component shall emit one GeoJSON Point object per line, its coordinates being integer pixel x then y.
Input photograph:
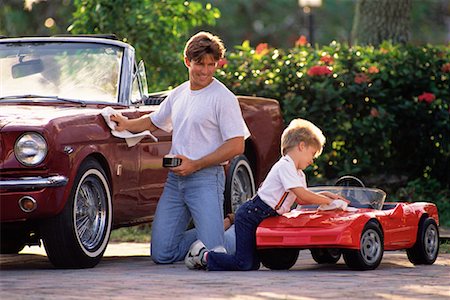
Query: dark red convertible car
{"type": "Point", "coordinates": [64, 179]}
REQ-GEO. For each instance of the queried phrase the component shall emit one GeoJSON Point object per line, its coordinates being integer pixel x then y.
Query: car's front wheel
{"type": "Point", "coordinates": [78, 236]}
{"type": "Point", "coordinates": [426, 248]}
{"type": "Point", "coordinates": [239, 185]}
{"type": "Point", "coordinates": [278, 258]}
{"type": "Point", "coordinates": [370, 252]}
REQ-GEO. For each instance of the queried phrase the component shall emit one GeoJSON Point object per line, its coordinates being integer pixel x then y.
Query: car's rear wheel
{"type": "Point", "coordinates": [78, 236]}
{"type": "Point", "coordinates": [426, 248]}
{"type": "Point", "coordinates": [326, 255]}
{"type": "Point", "coordinates": [239, 185]}
{"type": "Point", "coordinates": [370, 253]}
{"type": "Point", "coordinates": [278, 258]}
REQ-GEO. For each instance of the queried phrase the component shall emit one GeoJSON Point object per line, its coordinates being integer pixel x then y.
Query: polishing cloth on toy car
{"type": "Point", "coordinates": [336, 204]}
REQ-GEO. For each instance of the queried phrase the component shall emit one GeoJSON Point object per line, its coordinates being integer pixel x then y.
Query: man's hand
{"type": "Point", "coordinates": [120, 122]}
{"type": "Point", "coordinates": [187, 167]}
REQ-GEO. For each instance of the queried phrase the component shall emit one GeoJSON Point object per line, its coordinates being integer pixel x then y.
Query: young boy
{"type": "Point", "coordinates": [301, 142]}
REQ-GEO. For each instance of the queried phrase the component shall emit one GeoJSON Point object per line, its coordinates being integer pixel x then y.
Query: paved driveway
{"type": "Point", "coordinates": [127, 272]}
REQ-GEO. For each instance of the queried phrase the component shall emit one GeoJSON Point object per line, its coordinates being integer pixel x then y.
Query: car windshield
{"type": "Point", "coordinates": [359, 197]}
{"type": "Point", "coordinates": [81, 71]}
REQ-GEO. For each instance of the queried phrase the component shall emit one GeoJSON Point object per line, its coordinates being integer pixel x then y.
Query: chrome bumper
{"type": "Point", "coordinates": [33, 182]}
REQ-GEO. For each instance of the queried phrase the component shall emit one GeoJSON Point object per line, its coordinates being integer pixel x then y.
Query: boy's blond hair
{"type": "Point", "coordinates": [204, 43]}
{"type": "Point", "coordinates": [300, 130]}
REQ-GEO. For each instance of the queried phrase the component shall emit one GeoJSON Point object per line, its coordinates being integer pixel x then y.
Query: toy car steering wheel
{"type": "Point", "coordinates": [349, 181]}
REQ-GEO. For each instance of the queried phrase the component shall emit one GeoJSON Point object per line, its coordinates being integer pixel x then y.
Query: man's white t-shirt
{"type": "Point", "coordinates": [201, 120]}
{"type": "Point", "coordinates": [283, 176]}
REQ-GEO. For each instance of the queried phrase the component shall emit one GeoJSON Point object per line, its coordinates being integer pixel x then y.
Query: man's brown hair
{"type": "Point", "coordinates": [204, 43]}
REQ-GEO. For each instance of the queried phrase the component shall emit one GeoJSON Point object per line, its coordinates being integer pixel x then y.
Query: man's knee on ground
{"type": "Point", "coordinates": [160, 258]}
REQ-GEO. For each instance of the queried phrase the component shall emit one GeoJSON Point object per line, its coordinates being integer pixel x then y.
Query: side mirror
{"type": "Point", "coordinates": [26, 68]}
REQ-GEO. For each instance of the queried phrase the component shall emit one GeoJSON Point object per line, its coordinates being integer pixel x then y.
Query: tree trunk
{"type": "Point", "coordinates": [379, 20]}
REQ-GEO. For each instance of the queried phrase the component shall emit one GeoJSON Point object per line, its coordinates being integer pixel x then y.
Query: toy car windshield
{"type": "Point", "coordinates": [359, 197]}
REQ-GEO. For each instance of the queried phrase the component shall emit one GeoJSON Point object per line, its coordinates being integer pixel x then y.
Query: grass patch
{"type": "Point", "coordinates": [445, 247]}
{"type": "Point", "coordinates": [135, 234]}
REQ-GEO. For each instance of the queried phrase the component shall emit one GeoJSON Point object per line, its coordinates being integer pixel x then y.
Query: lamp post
{"type": "Point", "coordinates": [307, 6]}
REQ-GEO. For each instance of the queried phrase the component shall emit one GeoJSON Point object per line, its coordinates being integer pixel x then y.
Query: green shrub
{"type": "Point", "coordinates": [384, 111]}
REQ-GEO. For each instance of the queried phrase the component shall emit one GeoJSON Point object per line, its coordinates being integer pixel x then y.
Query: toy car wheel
{"type": "Point", "coordinates": [78, 236]}
{"type": "Point", "coordinates": [371, 250]}
{"type": "Point", "coordinates": [278, 258]}
{"type": "Point", "coordinates": [326, 256]}
{"type": "Point", "coordinates": [239, 185]}
{"type": "Point", "coordinates": [426, 248]}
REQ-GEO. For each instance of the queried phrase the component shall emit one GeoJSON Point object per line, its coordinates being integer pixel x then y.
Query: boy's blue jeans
{"type": "Point", "coordinates": [200, 196]}
{"type": "Point", "coordinates": [248, 217]}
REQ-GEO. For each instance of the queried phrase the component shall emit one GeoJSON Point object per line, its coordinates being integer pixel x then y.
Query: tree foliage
{"type": "Point", "coordinates": [280, 22]}
{"type": "Point", "coordinates": [17, 19]}
{"type": "Point", "coordinates": [157, 29]}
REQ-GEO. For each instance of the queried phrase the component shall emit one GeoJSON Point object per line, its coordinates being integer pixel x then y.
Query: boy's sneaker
{"type": "Point", "coordinates": [194, 257]}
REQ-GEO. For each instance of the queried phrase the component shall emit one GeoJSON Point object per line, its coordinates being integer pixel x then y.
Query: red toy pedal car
{"type": "Point", "coordinates": [361, 233]}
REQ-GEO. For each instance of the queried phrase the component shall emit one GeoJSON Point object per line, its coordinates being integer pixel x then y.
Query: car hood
{"type": "Point", "coordinates": [35, 115]}
{"type": "Point", "coordinates": [313, 218]}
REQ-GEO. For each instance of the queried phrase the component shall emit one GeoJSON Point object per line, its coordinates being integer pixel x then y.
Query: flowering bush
{"type": "Point", "coordinates": [427, 97]}
{"type": "Point", "coordinates": [383, 110]}
{"type": "Point", "coordinates": [319, 71]}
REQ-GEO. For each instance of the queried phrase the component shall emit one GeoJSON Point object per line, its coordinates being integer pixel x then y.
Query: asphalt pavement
{"type": "Point", "coordinates": [127, 272]}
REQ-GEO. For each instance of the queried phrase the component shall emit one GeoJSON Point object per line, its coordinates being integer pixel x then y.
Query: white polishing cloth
{"type": "Point", "coordinates": [131, 138]}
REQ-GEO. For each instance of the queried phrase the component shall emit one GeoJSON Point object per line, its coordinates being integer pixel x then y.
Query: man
{"type": "Point", "coordinates": [208, 129]}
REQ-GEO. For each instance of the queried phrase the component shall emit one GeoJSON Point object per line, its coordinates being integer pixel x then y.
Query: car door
{"type": "Point", "coordinates": [152, 176]}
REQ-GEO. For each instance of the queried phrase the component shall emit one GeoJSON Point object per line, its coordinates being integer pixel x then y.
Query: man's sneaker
{"type": "Point", "coordinates": [194, 257]}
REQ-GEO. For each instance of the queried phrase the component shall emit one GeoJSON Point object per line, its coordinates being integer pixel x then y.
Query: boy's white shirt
{"type": "Point", "coordinates": [283, 176]}
{"type": "Point", "coordinates": [201, 120]}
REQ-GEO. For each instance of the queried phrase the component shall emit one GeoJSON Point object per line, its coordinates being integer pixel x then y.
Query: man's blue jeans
{"type": "Point", "coordinates": [200, 196]}
{"type": "Point", "coordinates": [248, 217]}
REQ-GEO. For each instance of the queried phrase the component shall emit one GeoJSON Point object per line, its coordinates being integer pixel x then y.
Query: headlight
{"type": "Point", "coordinates": [30, 149]}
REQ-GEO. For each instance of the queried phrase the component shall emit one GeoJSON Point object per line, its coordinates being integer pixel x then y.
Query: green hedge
{"type": "Point", "coordinates": [385, 110]}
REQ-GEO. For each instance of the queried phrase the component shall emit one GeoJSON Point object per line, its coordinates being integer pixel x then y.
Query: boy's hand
{"type": "Point", "coordinates": [340, 204]}
{"type": "Point", "coordinates": [334, 196]}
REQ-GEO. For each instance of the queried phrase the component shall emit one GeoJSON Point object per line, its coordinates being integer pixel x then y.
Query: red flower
{"type": "Point", "coordinates": [445, 68]}
{"type": "Point", "coordinates": [374, 112]}
{"type": "Point", "coordinates": [327, 59]}
{"type": "Point", "coordinates": [262, 49]}
{"type": "Point", "coordinates": [222, 62]}
{"type": "Point", "coordinates": [361, 78]}
{"type": "Point", "coordinates": [373, 70]}
{"type": "Point", "coordinates": [301, 41]}
{"type": "Point", "coordinates": [319, 71]}
{"type": "Point", "coordinates": [427, 97]}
